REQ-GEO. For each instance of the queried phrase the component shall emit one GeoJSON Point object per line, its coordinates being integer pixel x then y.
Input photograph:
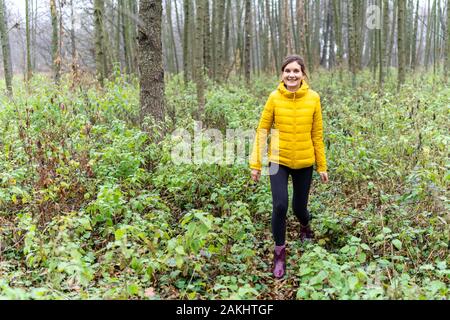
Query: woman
{"type": "Point", "coordinates": [296, 145]}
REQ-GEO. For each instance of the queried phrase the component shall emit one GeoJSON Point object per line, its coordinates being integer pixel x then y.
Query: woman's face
{"type": "Point", "coordinates": [292, 76]}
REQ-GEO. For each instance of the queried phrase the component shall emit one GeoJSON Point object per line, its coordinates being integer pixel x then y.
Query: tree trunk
{"type": "Point", "coordinates": [295, 43]}
{"type": "Point", "coordinates": [207, 40]}
{"type": "Point", "coordinates": [33, 34]}
{"type": "Point", "coordinates": [428, 37]}
{"type": "Point", "coordinates": [381, 46]}
{"type": "Point", "coordinates": [198, 69]}
{"type": "Point", "coordinates": [317, 24]}
{"type": "Point", "coordinates": [435, 31]}
{"type": "Point", "coordinates": [99, 53]}
{"type": "Point", "coordinates": [392, 37]}
{"type": "Point", "coordinates": [72, 34]}
{"type": "Point", "coordinates": [400, 42]}
{"type": "Point", "coordinates": [248, 40]}
{"type": "Point", "coordinates": [118, 33]}
{"type": "Point", "coordinates": [212, 68]}
{"type": "Point", "coordinates": [27, 31]}
{"type": "Point", "coordinates": [272, 35]}
{"type": "Point", "coordinates": [178, 19]}
{"type": "Point", "coordinates": [256, 41]}
{"type": "Point", "coordinates": [420, 46]}
{"type": "Point", "coordinates": [219, 39]}
{"type": "Point", "coordinates": [414, 40]}
{"type": "Point", "coordinates": [338, 33]}
{"type": "Point", "coordinates": [447, 44]}
{"type": "Point", "coordinates": [172, 34]}
{"type": "Point", "coordinates": [385, 37]}
{"type": "Point", "coordinates": [6, 51]}
{"type": "Point", "coordinates": [325, 55]}
{"type": "Point", "coordinates": [352, 40]}
{"type": "Point", "coordinates": [285, 27]}
{"type": "Point", "coordinates": [186, 38]}
{"type": "Point", "coordinates": [133, 36]}
{"type": "Point", "coordinates": [150, 61]}
{"type": "Point", "coordinates": [56, 55]}
{"type": "Point", "coordinates": [308, 37]}
{"type": "Point", "coordinates": [227, 42]}
{"type": "Point", "coordinates": [106, 44]}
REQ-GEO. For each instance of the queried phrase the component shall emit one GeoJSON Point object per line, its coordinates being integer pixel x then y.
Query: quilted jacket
{"type": "Point", "coordinates": [294, 122]}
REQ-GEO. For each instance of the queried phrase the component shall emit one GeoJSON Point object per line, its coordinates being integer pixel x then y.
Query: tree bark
{"type": "Point", "coordinates": [414, 40]}
{"type": "Point", "coordinates": [34, 12]}
{"type": "Point", "coordinates": [324, 59]}
{"type": "Point", "coordinates": [272, 35]}
{"type": "Point", "coordinates": [428, 37]}
{"type": "Point", "coordinates": [198, 69]}
{"type": "Point", "coordinates": [285, 27]}
{"type": "Point", "coordinates": [27, 30]}
{"type": "Point", "coordinates": [186, 38]}
{"type": "Point", "coordinates": [401, 42]}
{"type": "Point", "coordinates": [227, 42]}
{"type": "Point", "coordinates": [150, 61]}
{"type": "Point", "coordinates": [338, 33]}
{"type": "Point", "coordinates": [381, 47]}
{"type": "Point", "coordinates": [352, 40]}
{"type": "Point", "coordinates": [317, 24]}
{"type": "Point", "coordinates": [72, 33]}
{"type": "Point", "coordinates": [392, 37]}
{"type": "Point", "coordinates": [207, 39]}
{"type": "Point", "coordinates": [99, 52]}
{"type": "Point", "coordinates": [447, 45]}
{"type": "Point", "coordinates": [172, 34]}
{"type": "Point", "coordinates": [6, 51]}
{"type": "Point", "coordinates": [308, 33]}
{"type": "Point", "coordinates": [56, 55]}
{"type": "Point", "coordinates": [248, 40]}
{"type": "Point", "coordinates": [219, 39]}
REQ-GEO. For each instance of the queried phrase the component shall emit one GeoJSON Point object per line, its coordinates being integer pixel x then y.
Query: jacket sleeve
{"type": "Point", "coordinates": [262, 132]}
{"type": "Point", "coordinates": [317, 139]}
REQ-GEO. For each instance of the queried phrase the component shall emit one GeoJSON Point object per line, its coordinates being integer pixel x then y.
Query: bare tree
{"type": "Point", "coordinates": [100, 59]}
{"type": "Point", "coordinates": [198, 70]}
{"type": "Point", "coordinates": [56, 54]}
{"type": "Point", "coordinates": [401, 41]}
{"type": "Point", "coordinates": [27, 31]}
{"type": "Point", "coordinates": [248, 39]}
{"type": "Point", "coordinates": [6, 51]}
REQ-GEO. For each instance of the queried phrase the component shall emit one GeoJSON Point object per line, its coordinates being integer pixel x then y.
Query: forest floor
{"type": "Point", "coordinates": [92, 207]}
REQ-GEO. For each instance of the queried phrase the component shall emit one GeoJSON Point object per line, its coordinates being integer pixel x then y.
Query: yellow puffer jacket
{"type": "Point", "coordinates": [297, 141]}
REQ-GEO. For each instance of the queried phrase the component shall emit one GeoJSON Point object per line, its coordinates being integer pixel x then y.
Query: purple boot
{"type": "Point", "coordinates": [279, 261]}
{"type": "Point", "coordinates": [306, 234]}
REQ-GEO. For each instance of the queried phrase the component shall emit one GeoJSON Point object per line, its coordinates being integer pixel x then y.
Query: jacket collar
{"type": "Point", "coordinates": [299, 93]}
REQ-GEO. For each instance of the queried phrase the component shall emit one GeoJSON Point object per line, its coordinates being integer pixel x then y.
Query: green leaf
{"type": "Point", "coordinates": [352, 282]}
{"type": "Point", "coordinates": [133, 289]}
{"type": "Point", "coordinates": [397, 243]}
{"type": "Point", "coordinates": [302, 294]}
{"type": "Point", "coordinates": [179, 261]}
{"type": "Point", "coordinates": [387, 230]}
{"type": "Point", "coordinates": [119, 233]}
{"type": "Point", "coordinates": [180, 250]}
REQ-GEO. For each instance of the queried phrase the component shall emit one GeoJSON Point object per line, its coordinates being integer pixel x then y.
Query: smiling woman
{"type": "Point", "coordinates": [296, 145]}
{"type": "Point", "coordinates": [294, 71]}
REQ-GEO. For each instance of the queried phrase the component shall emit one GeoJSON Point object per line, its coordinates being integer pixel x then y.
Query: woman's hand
{"type": "Point", "coordinates": [256, 174]}
{"type": "Point", "coordinates": [324, 177]}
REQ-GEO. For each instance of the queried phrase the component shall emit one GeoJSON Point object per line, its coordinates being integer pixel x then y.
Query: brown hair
{"type": "Point", "coordinates": [294, 58]}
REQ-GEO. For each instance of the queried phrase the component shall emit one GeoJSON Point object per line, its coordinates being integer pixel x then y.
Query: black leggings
{"type": "Point", "coordinates": [301, 179]}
